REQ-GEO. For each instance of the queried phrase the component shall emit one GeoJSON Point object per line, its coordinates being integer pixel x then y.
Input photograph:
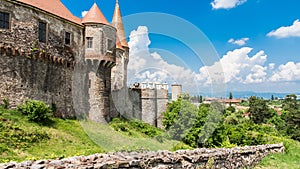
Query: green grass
{"type": "Point", "coordinates": [23, 140]}
{"type": "Point", "coordinates": [112, 140]}
{"type": "Point", "coordinates": [65, 138]}
{"type": "Point", "coordinates": [288, 160]}
{"type": "Point", "coordinates": [62, 138]}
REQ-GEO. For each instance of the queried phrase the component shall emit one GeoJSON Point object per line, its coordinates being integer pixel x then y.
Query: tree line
{"type": "Point", "coordinates": [214, 125]}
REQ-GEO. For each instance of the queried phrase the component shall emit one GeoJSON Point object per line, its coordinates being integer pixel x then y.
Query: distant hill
{"type": "Point", "coordinates": [247, 94]}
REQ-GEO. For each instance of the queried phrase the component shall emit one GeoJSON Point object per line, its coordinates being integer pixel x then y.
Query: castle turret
{"type": "Point", "coordinates": [117, 22]}
{"type": "Point", "coordinates": [100, 37]}
{"type": "Point", "coordinates": [119, 72]}
{"type": "Point", "coordinates": [100, 56]}
{"type": "Point", "coordinates": [176, 91]}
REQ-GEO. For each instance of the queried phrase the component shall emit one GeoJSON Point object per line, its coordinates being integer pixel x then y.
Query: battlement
{"type": "Point", "coordinates": [36, 55]}
{"type": "Point", "coordinates": [151, 85]}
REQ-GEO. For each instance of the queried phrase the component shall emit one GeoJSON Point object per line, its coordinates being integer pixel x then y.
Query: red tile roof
{"type": "Point", "coordinates": [54, 7]}
{"type": "Point", "coordinates": [118, 43]}
{"type": "Point", "coordinates": [118, 23]}
{"type": "Point", "coordinates": [94, 15]}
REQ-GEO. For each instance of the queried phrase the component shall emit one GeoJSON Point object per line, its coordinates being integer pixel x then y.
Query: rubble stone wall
{"type": "Point", "coordinates": [36, 70]}
{"type": "Point", "coordinates": [240, 157]}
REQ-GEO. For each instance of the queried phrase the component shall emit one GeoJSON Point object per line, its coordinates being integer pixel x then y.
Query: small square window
{"type": "Point", "coordinates": [4, 20]}
{"type": "Point", "coordinates": [89, 42]}
{"type": "Point", "coordinates": [67, 38]}
{"type": "Point", "coordinates": [42, 32]}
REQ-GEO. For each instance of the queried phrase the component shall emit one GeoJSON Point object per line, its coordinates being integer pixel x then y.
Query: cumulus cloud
{"type": "Point", "coordinates": [286, 72]}
{"type": "Point", "coordinates": [239, 67]}
{"type": "Point", "coordinates": [240, 42]}
{"type": "Point", "coordinates": [287, 31]}
{"type": "Point", "coordinates": [226, 4]}
{"type": "Point", "coordinates": [150, 66]}
{"type": "Point", "coordinates": [83, 13]}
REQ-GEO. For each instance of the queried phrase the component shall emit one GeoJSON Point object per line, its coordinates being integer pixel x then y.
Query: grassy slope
{"type": "Point", "coordinates": [289, 160]}
{"type": "Point", "coordinates": [67, 138]}
{"type": "Point", "coordinates": [112, 140]}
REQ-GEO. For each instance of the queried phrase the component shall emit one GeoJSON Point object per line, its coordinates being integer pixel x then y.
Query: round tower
{"type": "Point", "coordinates": [119, 71]}
{"type": "Point", "coordinates": [100, 44]}
{"type": "Point", "coordinates": [176, 91]}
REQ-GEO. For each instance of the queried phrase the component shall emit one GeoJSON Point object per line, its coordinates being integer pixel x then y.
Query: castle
{"type": "Point", "coordinates": [78, 65]}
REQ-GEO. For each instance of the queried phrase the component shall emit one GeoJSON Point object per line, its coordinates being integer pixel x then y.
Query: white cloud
{"type": "Point", "coordinates": [146, 66]}
{"type": "Point", "coordinates": [286, 72]}
{"type": "Point", "coordinates": [287, 31]}
{"type": "Point", "coordinates": [271, 66]}
{"type": "Point", "coordinates": [83, 13]}
{"type": "Point", "coordinates": [226, 4]}
{"type": "Point", "coordinates": [239, 42]}
{"type": "Point", "coordinates": [239, 67]}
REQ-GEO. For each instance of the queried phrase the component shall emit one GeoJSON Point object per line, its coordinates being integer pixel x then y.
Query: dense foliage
{"type": "Point", "coordinates": [210, 125]}
{"type": "Point", "coordinates": [36, 111]}
{"type": "Point", "coordinates": [259, 110]}
{"type": "Point", "coordinates": [292, 116]}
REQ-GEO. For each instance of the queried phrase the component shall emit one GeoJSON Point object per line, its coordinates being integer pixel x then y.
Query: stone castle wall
{"type": "Point", "coordinates": [46, 71]}
{"type": "Point", "coordinates": [147, 104]}
{"type": "Point", "coordinates": [35, 70]}
{"type": "Point", "coordinates": [154, 103]}
{"type": "Point", "coordinates": [220, 158]}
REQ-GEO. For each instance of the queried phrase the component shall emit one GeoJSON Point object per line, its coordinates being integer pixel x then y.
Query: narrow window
{"type": "Point", "coordinates": [4, 20]}
{"type": "Point", "coordinates": [67, 38]}
{"type": "Point", "coordinates": [42, 32]}
{"type": "Point", "coordinates": [110, 45]}
{"type": "Point", "coordinates": [89, 42]}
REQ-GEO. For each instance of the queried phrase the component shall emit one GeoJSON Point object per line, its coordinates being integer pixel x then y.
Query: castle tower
{"type": "Point", "coordinates": [100, 44]}
{"type": "Point", "coordinates": [119, 72]}
{"type": "Point", "coordinates": [176, 91]}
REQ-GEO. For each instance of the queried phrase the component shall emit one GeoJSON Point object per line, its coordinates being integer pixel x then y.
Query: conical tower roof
{"type": "Point", "coordinates": [118, 24]}
{"type": "Point", "coordinates": [94, 15]}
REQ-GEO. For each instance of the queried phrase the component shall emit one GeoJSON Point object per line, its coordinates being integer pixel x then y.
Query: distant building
{"type": "Point", "coordinates": [227, 102]}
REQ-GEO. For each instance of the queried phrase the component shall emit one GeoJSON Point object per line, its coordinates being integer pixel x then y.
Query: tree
{"type": "Point", "coordinates": [230, 96]}
{"type": "Point", "coordinates": [179, 118]}
{"type": "Point", "coordinates": [272, 97]}
{"type": "Point", "coordinates": [259, 110]}
{"type": "Point", "coordinates": [292, 117]}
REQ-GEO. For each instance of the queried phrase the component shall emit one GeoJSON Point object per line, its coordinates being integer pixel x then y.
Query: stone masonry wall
{"type": "Point", "coordinates": [220, 158]}
{"type": "Point", "coordinates": [154, 103]}
{"type": "Point", "coordinates": [35, 70]}
{"type": "Point", "coordinates": [146, 105]}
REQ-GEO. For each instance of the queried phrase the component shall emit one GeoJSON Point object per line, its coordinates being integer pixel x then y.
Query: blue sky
{"type": "Point", "coordinates": [256, 51]}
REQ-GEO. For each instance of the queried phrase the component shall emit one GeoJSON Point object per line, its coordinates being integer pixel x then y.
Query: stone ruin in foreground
{"type": "Point", "coordinates": [220, 158]}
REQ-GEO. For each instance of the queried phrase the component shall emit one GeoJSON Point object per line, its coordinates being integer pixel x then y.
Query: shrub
{"type": "Point", "coordinates": [36, 111]}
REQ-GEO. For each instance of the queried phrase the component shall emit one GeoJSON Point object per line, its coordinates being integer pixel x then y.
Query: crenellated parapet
{"type": "Point", "coordinates": [37, 55]}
